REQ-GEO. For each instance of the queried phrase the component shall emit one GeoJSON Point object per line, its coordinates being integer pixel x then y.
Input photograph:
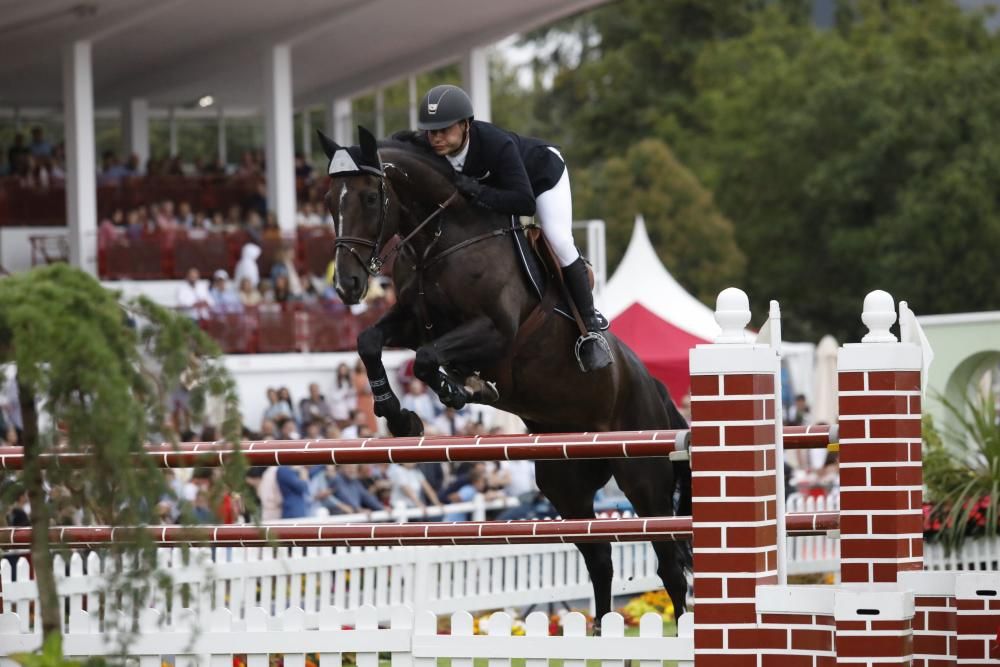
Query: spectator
{"type": "Point", "coordinates": [187, 219]}
{"type": "Point", "coordinates": [277, 409]}
{"type": "Point", "coordinates": [475, 485]}
{"type": "Point", "coordinates": [269, 491]}
{"type": "Point", "coordinates": [247, 266]}
{"type": "Point", "coordinates": [798, 412]}
{"type": "Point", "coordinates": [354, 429]}
{"type": "Point", "coordinates": [17, 156]}
{"type": "Point", "coordinates": [284, 265]}
{"type": "Point", "coordinates": [224, 300]}
{"type": "Point", "coordinates": [268, 429]}
{"type": "Point", "coordinates": [111, 229]}
{"type": "Point", "coordinates": [282, 291]}
{"type": "Point", "coordinates": [409, 486]}
{"type": "Point", "coordinates": [350, 490]}
{"type": "Point", "coordinates": [293, 482]}
{"type": "Point", "coordinates": [112, 170]}
{"type": "Point", "coordinates": [450, 422]}
{"type": "Point", "coordinates": [40, 148]}
{"type": "Point", "coordinates": [322, 487]}
{"type": "Point", "coordinates": [289, 431]}
{"type": "Point", "coordinates": [315, 407]}
{"type": "Point", "coordinates": [249, 296]}
{"type": "Point", "coordinates": [193, 298]}
{"type": "Point", "coordinates": [420, 401]}
{"type": "Point", "coordinates": [17, 515]}
{"type": "Point", "coordinates": [343, 397]}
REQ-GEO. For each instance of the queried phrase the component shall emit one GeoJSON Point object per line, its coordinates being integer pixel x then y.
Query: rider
{"type": "Point", "coordinates": [516, 175]}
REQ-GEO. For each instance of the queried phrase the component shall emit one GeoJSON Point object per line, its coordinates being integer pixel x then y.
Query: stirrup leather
{"type": "Point", "coordinates": [594, 336]}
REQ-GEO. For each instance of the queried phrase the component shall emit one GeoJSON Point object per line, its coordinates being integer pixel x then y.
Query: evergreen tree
{"type": "Point", "coordinates": [103, 372]}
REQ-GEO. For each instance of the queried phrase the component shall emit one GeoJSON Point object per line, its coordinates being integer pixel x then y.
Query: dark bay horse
{"type": "Point", "coordinates": [465, 306]}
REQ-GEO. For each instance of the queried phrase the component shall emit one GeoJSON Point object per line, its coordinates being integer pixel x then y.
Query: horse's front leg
{"type": "Point", "coordinates": [475, 342]}
{"type": "Point", "coordinates": [394, 328]}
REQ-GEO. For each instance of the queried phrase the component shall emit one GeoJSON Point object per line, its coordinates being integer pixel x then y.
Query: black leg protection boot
{"type": "Point", "coordinates": [592, 351]}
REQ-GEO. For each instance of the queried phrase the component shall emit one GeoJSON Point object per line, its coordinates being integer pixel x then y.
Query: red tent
{"type": "Point", "coordinates": [661, 346]}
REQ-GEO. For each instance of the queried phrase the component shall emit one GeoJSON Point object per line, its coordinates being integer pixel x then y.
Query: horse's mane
{"type": "Point", "coordinates": [423, 153]}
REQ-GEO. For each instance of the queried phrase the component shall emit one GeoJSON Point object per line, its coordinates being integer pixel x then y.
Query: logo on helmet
{"type": "Point", "coordinates": [432, 108]}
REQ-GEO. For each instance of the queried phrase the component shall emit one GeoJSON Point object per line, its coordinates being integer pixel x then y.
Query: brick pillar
{"type": "Point", "coordinates": [733, 509]}
{"type": "Point", "coordinates": [874, 628]}
{"type": "Point", "coordinates": [880, 469]}
{"type": "Point", "coordinates": [934, 617]}
{"type": "Point", "coordinates": [978, 626]}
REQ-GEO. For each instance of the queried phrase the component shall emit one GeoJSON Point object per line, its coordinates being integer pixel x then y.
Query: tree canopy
{"type": "Point", "coordinates": [848, 158]}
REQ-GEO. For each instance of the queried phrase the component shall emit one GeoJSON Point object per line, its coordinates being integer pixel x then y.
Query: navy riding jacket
{"type": "Point", "coordinates": [512, 169]}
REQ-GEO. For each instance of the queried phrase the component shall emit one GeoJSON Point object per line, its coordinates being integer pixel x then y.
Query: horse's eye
{"type": "Point", "coordinates": [371, 199]}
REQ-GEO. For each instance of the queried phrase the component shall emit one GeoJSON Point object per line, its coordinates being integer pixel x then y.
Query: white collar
{"type": "Point", "coordinates": [458, 161]}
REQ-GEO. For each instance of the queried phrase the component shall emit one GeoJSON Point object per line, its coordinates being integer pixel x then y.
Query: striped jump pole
{"type": "Point", "coordinates": [421, 450]}
{"type": "Point", "coordinates": [404, 534]}
{"type": "Point", "coordinates": [434, 449]}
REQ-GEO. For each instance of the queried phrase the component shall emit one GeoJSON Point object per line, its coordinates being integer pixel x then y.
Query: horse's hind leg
{"type": "Point", "coordinates": [570, 487]}
{"type": "Point", "coordinates": [395, 328]}
{"type": "Point", "coordinates": [649, 486]}
{"type": "Point", "coordinates": [476, 341]}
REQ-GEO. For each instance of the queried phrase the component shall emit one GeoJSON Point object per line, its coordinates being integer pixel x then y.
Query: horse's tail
{"type": "Point", "coordinates": [682, 474]}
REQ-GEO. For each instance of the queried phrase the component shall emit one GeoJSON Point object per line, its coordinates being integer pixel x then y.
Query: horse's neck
{"type": "Point", "coordinates": [421, 190]}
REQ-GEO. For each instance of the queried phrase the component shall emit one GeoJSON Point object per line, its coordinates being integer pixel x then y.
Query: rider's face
{"type": "Point", "coordinates": [448, 140]}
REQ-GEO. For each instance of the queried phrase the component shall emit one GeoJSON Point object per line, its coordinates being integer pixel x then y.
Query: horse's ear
{"type": "Point", "coordinates": [369, 146]}
{"type": "Point", "coordinates": [329, 145]}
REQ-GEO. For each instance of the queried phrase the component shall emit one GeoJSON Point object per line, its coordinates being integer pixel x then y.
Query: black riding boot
{"type": "Point", "coordinates": [592, 351]}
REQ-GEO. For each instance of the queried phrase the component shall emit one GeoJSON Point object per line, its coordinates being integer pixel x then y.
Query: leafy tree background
{"type": "Point", "coordinates": [848, 158]}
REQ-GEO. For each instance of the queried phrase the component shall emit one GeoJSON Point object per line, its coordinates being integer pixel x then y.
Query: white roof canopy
{"type": "Point", "coordinates": [172, 52]}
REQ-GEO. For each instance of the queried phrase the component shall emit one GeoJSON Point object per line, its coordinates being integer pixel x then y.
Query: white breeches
{"type": "Point", "coordinates": [554, 210]}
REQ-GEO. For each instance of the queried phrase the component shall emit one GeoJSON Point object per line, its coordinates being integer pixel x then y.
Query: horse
{"type": "Point", "coordinates": [465, 306]}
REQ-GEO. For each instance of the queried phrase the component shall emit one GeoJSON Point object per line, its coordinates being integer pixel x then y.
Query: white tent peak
{"type": "Point", "coordinates": [641, 278]}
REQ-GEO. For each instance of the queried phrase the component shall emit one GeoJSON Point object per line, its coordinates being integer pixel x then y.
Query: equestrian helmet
{"type": "Point", "coordinates": [443, 106]}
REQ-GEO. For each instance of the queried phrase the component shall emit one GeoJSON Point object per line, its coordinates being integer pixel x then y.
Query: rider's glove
{"type": "Point", "coordinates": [468, 186]}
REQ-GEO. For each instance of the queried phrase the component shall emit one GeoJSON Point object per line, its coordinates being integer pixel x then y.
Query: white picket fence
{"type": "Point", "coordinates": [409, 640]}
{"type": "Point", "coordinates": [442, 580]}
{"type": "Point", "coordinates": [976, 554]}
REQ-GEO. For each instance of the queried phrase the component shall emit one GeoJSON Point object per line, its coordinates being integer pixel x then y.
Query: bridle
{"type": "Point", "coordinates": [373, 266]}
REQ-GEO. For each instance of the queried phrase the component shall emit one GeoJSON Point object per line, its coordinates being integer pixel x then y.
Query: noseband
{"type": "Point", "coordinates": [373, 266]}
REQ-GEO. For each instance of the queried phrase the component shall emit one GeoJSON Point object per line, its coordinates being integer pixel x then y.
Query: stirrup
{"type": "Point", "coordinates": [594, 336]}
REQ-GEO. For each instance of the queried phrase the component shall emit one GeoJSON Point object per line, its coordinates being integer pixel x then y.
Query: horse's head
{"type": "Point", "coordinates": [359, 201]}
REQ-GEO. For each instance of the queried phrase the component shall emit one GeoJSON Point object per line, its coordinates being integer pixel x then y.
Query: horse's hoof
{"type": "Point", "coordinates": [593, 353]}
{"type": "Point", "coordinates": [405, 424]}
{"type": "Point", "coordinates": [481, 391]}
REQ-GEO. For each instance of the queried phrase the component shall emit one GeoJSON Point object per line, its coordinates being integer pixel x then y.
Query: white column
{"type": "Point", "coordinates": [413, 102]}
{"type": "Point", "coordinates": [81, 181]}
{"type": "Point", "coordinates": [339, 120]}
{"type": "Point", "coordinates": [279, 137]}
{"type": "Point", "coordinates": [476, 77]}
{"type": "Point", "coordinates": [307, 135]}
{"type": "Point", "coordinates": [135, 130]}
{"type": "Point", "coordinates": [379, 113]}
{"type": "Point", "coordinates": [172, 127]}
{"type": "Point", "coordinates": [222, 150]}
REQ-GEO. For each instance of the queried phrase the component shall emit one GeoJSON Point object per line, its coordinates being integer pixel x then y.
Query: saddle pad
{"type": "Point", "coordinates": [538, 277]}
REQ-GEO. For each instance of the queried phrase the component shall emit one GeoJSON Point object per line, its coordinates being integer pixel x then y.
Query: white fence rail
{"type": "Point", "coordinates": [411, 639]}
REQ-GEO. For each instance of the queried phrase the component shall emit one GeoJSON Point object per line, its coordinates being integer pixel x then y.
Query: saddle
{"type": "Point", "coordinates": [540, 267]}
